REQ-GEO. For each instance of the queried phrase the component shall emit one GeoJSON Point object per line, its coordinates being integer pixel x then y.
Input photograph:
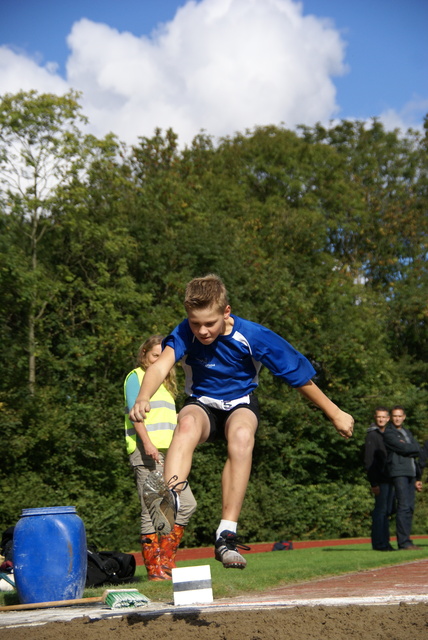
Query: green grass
{"type": "Point", "coordinates": [269, 570]}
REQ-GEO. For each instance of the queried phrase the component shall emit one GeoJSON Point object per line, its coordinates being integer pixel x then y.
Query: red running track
{"type": "Point", "coordinates": [199, 553]}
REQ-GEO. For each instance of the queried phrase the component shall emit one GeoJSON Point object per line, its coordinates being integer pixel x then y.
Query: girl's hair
{"type": "Point", "coordinates": [142, 361]}
{"type": "Point", "coordinates": [208, 291]}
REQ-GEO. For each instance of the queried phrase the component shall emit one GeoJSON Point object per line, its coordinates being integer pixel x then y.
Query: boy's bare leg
{"type": "Point", "coordinates": [240, 431]}
{"type": "Point", "coordinates": [193, 428]}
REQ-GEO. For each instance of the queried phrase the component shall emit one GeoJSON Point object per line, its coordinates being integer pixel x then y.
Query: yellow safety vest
{"type": "Point", "coordinates": [160, 421]}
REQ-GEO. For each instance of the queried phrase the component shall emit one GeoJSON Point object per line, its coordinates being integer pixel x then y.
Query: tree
{"type": "Point", "coordinates": [319, 235]}
{"type": "Point", "coordinates": [39, 149]}
{"type": "Point", "coordinates": [389, 242]}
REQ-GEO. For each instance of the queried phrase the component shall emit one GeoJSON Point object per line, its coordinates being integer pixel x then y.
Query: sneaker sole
{"type": "Point", "coordinates": [159, 503]}
{"type": "Point", "coordinates": [162, 517]}
{"type": "Point", "coordinates": [232, 564]}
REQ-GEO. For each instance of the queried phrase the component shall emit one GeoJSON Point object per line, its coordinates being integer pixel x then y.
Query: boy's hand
{"type": "Point", "coordinates": [344, 424]}
{"type": "Point", "coordinates": [139, 411]}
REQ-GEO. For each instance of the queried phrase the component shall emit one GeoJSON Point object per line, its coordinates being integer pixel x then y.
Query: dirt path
{"type": "Point", "coordinates": [398, 622]}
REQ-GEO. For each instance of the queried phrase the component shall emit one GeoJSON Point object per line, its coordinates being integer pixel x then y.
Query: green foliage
{"type": "Point", "coordinates": [321, 235]}
{"type": "Point", "coordinates": [420, 517]}
{"type": "Point", "coordinates": [308, 511]}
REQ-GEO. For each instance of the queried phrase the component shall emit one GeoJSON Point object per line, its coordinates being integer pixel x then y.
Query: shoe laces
{"type": "Point", "coordinates": [174, 487]}
{"type": "Point", "coordinates": [232, 542]}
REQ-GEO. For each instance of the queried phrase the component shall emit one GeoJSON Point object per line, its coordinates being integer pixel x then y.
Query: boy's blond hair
{"type": "Point", "coordinates": [205, 292]}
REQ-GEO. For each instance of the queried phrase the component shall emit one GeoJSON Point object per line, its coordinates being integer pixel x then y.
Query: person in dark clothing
{"type": "Point", "coordinates": [404, 471]}
{"type": "Point", "coordinates": [375, 463]}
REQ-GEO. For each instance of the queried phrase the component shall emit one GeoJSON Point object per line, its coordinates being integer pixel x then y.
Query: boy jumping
{"type": "Point", "coordinates": [221, 356]}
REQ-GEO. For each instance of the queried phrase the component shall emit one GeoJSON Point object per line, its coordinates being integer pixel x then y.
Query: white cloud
{"type": "Point", "coordinates": [18, 72]}
{"type": "Point", "coordinates": [219, 65]}
{"type": "Point", "coordinates": [410, 116]}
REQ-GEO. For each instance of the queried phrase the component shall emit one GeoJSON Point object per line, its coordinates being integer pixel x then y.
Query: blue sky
{"type": "Point", "coordinates": [221, 65]}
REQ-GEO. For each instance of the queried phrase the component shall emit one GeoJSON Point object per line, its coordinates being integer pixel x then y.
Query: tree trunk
{"type": "Point", "coordinates": [32, 309]}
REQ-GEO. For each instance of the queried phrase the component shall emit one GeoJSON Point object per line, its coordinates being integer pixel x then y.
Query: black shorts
{"type": "Point", "coordinates": [218, 417]}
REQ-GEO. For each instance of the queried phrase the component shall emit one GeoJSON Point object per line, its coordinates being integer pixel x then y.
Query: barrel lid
{"type": "Point", "coordinates": [45, 511]}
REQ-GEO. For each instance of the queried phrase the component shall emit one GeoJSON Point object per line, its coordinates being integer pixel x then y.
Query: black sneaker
{"type": "Point", "coordinates": [225, 551]}
{"type": "Point", "coordinates": [162, 501]}
{"type": "Point", "coordinates": [410, 547]}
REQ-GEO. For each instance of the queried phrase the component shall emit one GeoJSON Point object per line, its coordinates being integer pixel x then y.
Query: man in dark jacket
{"type": "Point", "coordinates": [403, 452]}
{"type": "Point", "coordinates": [381, 486]}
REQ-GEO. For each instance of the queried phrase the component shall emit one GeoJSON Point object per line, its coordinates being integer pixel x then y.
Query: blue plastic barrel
{"type": "Point", "coordinates": [49, 555]}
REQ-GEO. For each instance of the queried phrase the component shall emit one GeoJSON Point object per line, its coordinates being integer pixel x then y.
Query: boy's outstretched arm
{"type": "Point", "coordinates": [343, 422]}
{"type": "Point", "coordinates": [153, 378]}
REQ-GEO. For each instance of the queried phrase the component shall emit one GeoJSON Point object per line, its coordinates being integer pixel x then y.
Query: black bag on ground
{"type": "Point", "coordinates": [109, 567]}
{"type": "Point", "coordinates": [284, 545]}
{"type": "Point", "coordinates": [7, 543]}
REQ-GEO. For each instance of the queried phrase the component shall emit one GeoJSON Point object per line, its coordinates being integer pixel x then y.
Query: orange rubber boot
{"type": "Point", "coordinates": [151, 553]}
{"type": "Point", "coordinates": [169, 545]}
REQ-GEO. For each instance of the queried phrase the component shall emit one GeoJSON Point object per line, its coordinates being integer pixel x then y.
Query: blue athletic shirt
{"type": "Point", "coordinates": [228, 368]}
